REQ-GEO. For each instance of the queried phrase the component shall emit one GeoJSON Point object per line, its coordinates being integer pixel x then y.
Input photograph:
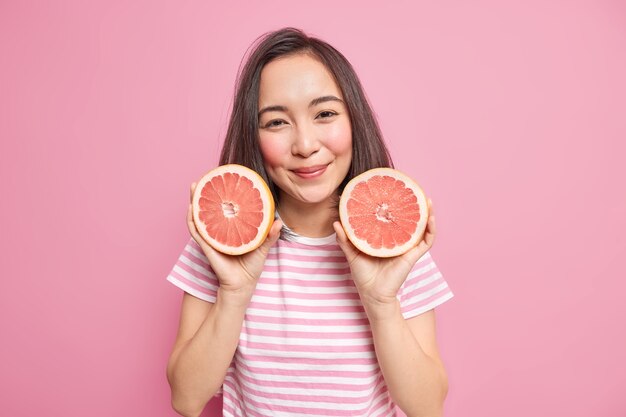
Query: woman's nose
{"type": "Point", "coordinates": [305, 142]}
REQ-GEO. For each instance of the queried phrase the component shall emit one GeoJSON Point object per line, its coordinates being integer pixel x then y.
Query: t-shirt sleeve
{"type": "Point", "coordinates": [193, 274]}
{"type": "Point", "coordinates": [424, 289]}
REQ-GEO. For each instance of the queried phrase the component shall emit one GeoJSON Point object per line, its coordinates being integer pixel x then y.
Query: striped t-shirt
{"type": "Point", "coordinates": [306, 346]}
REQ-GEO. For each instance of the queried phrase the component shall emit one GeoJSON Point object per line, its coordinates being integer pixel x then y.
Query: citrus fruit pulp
{"type": "Point", "coordinates": [233, 209]}
{"type": "Point", "coordinates": [383, 212]}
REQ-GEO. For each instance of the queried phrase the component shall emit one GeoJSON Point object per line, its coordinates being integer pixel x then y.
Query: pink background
{"type": "Point", "coordinates": [512, 117]}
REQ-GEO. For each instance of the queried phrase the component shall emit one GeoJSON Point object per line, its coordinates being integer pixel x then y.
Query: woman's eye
{"type": "Point", "coordinates": [275, 123]}
{"type": "Point", "coordinates": [326, 114]}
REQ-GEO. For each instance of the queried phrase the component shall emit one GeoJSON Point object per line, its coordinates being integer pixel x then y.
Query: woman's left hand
{"type": "Point", "coordinates": [379, 279]}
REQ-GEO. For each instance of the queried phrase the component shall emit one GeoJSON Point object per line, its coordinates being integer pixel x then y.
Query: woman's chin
{"type": "Point", "coordinates": [315, 198]}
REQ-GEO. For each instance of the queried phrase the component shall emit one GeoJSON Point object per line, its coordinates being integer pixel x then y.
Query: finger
{"type": "Point", "coordinates": [193, 231]}
{"type": "Point", "coordinates": [192, 189]}
{"type": "Point", "coordinates": [346, 246]}
{"type": "Point", "coordinates": [421, 248]}
{"type": "Point", "coordinates": [413, 255]}
{"type": "Point", "coordinates": [190, 218]}
{"type": "Point", "coordinates": [274, 232]}
{"type": "Point", "coordinates": [425, 243]}
{"type": "Point", "coordinates": [431, 210]}
{"type": "Point", "coordinates": [272, 236]}
{"type": "Point", "coordinates": [431, 230]}
{"type": "Point", "coordinates": [191, 225]}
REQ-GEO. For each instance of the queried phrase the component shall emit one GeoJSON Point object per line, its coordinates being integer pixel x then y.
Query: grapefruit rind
{"type": "Point", "coordinates": [350, 207]}
{"type": "Point", "coordinates": [264, 194]}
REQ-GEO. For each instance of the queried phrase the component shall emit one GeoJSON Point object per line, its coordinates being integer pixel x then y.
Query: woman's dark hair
{"type": "Point", "coordinates": [241, 145]}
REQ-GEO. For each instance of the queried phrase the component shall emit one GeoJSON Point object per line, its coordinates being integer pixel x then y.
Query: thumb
{"type": "Point", "coordinates": [414, 255]}
{"type": "Point", "coordinates": [346, 246]}
{"type": "Point", "coordinates": [272, 236]}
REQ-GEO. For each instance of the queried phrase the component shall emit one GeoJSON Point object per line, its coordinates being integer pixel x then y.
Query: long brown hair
{"type": "Point", "coordinates": [241, 145]}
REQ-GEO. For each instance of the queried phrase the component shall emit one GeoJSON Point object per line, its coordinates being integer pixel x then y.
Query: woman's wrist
{"type": "Point", "coordinates": [239, 298]}
{"type": "Point", "coordinates": [381, 309]}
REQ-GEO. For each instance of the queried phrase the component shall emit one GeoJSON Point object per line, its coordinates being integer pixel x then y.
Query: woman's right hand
{"type": "Point", "coordinates": [237, 274]}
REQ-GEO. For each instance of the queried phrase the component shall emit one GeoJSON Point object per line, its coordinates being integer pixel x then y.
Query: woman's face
{"type": "Point", "coordinates": [304, 129]}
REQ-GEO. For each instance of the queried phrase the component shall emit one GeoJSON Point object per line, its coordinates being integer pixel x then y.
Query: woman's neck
{"type": "Point", "coordinates": [308, 219]}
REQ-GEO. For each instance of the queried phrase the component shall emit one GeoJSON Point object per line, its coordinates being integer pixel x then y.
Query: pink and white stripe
{"type": "Point", "coordinates": [306, 347]}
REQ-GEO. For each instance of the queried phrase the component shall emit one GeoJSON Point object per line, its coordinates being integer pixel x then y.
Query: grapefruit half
{"type": "Point", "coordinates": [233, 209]}
{"type": "Point", "coordinates": [383, 212]}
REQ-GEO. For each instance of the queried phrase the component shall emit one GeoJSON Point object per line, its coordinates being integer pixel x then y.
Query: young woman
{"type": "Point", "coordinates": [306, 324]}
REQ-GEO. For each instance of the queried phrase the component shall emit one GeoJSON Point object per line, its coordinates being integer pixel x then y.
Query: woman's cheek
{"type": "Point", "coordinates": [340, 138]}
{"type": "Point", "coordinates": [271, 151]}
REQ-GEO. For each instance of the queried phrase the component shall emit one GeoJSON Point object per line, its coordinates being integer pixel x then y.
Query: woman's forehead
{"type": "Point", "coordinates": [294, 79]}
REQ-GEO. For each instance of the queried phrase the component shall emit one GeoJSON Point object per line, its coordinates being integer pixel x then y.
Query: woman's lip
{"type": "Point", "coordinates": [310, 172]}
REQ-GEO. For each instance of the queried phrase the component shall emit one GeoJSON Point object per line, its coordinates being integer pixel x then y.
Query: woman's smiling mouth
{"type": "Point", "coordinates": [310, 172]}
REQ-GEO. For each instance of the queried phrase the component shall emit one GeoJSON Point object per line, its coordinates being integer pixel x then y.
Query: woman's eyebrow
{"type": "Point", "coordinates": [272, 108]}
{"type": "Point", "coordinates": [324, 99]}
{"type": "Point", "coordinates": [313, 102]}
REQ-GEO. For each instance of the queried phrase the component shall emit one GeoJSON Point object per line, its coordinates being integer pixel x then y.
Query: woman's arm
{"type": "Point", "coordinates": [409, 359]}
{"type": "Point", "coordinates": [208, 333]}
{"type": "Point", "coordinates": [406, 349]}
{"type": "Point", "coordinates": [205, 345]}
